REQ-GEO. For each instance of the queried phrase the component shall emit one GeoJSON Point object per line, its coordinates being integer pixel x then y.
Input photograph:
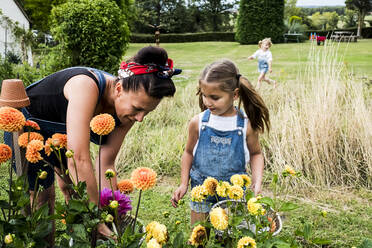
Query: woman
{"type": "Point", "coordinates": [66, 101]}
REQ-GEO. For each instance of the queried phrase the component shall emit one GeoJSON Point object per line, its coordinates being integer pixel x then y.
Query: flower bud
{"type": "Point", "coordinates": [324, 213]}
{"type": "Point", "coordinates": [66, 172]}
{"type": "Point", "coordinates": [43, 175]}
{"type": "Point", "coordinates": [8, 239]}
{"type": "Point", "coordinates": [109, 173]}
{"type": "Point", "coordinates": [166, 214]}
{"type": "Point", "coordinates": [19, 188]}
{"type": "Point", "coordinates": [109, 218]}
{"type": "Point", "coordinates": [69, 154]}
{"type": "Point", "coordinates": [178, 222]}
{"type": "Point", "coordinates": [114, 204]}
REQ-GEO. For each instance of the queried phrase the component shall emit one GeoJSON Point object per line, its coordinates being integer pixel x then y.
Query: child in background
{"type": "Point", "coordinates": [222, 139]}
{"type": "Point", "coordinates": [265, 59]}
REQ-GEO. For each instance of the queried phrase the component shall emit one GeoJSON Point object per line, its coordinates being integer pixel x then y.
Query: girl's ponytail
{"type": "Point", "coordinates": [254, 106]}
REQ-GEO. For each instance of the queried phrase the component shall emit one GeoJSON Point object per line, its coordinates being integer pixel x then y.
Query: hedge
{"type": "Point", "coordinates": [187, 37]}
{"type": "Point", "coordinates": [225, 36]}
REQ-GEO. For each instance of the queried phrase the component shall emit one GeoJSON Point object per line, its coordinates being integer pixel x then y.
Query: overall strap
{"type": "Point", "coordinates": [206, 116]}
{"type": "Point", "coordinates": [101, 82]}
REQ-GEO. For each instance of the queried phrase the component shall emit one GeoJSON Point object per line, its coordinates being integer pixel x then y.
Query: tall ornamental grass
{"type": "Point", "coordinates": [321, 126]}
{"type": "Point", "coordinates": [322, 123]}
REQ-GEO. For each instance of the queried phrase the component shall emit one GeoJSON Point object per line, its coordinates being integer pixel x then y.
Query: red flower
{"type": "Point", "coordinates": [143, 178]}
{"type": "Point", "coordinates": [32, 124]}
{"type": "Point", "coordinates": [24, 138]}
{"type": "Point", "coordinates": [5, 153]}
{"type": "Point", "coordinates": [102, 124]}
{"type": "Point", "coordinates": [11, 119]}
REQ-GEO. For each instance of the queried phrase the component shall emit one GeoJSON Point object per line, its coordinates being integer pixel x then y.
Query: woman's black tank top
{"type": "Point", "coordinates": [46, 96]}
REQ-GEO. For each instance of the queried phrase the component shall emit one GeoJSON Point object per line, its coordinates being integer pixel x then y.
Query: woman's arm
{"type": "Point", "coordinates": [186, 160]}
{"type": "Point", "coordinates": [109, 152]}
{"type": "Point", "coordinates": [82, 94]}
{"type": "Point", "coordinates": [256, 158]}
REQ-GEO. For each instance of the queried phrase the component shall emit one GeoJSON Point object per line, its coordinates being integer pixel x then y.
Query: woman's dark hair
{"type": "Point", "coordinates": [227, 74]}
{"type": "Point", "coordinates": [153, 85]}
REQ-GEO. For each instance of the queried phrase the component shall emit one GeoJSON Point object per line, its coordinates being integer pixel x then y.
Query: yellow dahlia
{"type": "Point", "coordinates": [32, 125]}
{"type": "Point", "coordinates": [247, 180]}
{"type": "Point", "coordinates": [211, 185]}
{"type": "Point", "coordinates": [246, 242]}
{"type": "Point", "coordinates": [255, 208]}
{"type": "Point", "coordinates": [153, 244]}
{"type": "Point", "coordinates": [235, 192]}
{"type": "Point", "coordinates": [32, 151]}
{"type": "Point", "coordinates": [198, 235]}
{"type": "Point", "coordinates": [223, 188]}
{"type": "Point", "coordinates": [24, 138]}
{"type": "Point", "coordinates": [237, 180]}
{"type": "Point", "coordinates": [126, 186]}
{"type": "Point", "coordinates": [157, 231]}
{"type": "Point", "coordinates": [219, 218]}
{"type": "Point", "coordinates": [102, 124]}
{"type": "Point", "coordinates": [290, 170]}
{"type": "Point", "coordinates": [11, 119]}
{"type": "Point", "coordinates": [143, 178]}
{"type": "Point", "coordinates": [5, 153]}
{"type": "Point", "coordinates": [59, 140]}
{"type": "Point", "coordinates": [199, 193]}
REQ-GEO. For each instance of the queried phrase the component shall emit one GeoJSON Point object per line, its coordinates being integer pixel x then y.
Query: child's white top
{"type": "Point", "coordinates": [263, 55]}
{"type": "Point", "coordinates": [224, 123]}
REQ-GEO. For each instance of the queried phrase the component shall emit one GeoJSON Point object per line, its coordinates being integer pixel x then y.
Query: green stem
{"type": "Point", "coordinates": [36, 190]}
{"type": "Point", "coordinates": [10, 186]}
{"type": "Point", "coordinates": [138, 204]}
{"type": "Point", "coordinates": [99, 173]}
{"type": "Point", "coordinates": [77, 176]}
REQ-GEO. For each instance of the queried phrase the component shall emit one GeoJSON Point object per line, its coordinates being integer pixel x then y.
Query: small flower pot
{"type": "Point", "coordinates": [250, 226]}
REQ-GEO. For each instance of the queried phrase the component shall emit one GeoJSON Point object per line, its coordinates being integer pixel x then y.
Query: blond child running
{"type": "Point", "coordinates": [222, 139]}
{"type": "Point", "coordinates": [265, 59]}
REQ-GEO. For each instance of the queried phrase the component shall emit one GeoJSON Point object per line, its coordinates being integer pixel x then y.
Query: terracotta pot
{"type": "Point", "coordinates": [13, 94]}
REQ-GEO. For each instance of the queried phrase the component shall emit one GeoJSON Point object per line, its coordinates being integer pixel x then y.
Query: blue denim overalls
{"type": "Point", "coordinates": [219, 154]}
{"type": "Point", "coordinates": [47, 129]}
{"type": "Point", "coordinates": [263, 66]}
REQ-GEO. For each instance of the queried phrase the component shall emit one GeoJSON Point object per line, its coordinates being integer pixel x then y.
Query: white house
{"type": "Point", "coordinates": [14, 11]}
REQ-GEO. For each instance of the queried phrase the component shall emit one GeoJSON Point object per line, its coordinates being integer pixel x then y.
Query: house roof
{"type": "Point", "coordinates": [23, 10]}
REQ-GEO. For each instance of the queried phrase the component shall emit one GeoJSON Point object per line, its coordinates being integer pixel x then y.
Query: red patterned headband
{"type": "Point", "coordinates": [132, 68]}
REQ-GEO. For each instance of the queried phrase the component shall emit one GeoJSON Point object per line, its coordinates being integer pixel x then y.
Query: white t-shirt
{"type": "Point", "coordinates": [223, 123]}
{"type": "Point", "coordinates": [263, 55]}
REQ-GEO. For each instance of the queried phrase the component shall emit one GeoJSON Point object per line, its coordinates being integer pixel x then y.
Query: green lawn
{"type": "Point", "coordinates": [348, 221]}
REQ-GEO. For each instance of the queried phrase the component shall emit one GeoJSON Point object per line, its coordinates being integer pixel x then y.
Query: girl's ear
{"type": "Point", "coordinates": [236, 94]}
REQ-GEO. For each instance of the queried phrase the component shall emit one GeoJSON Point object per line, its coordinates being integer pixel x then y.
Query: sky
{"type": "Point", "coordinates": [320, 2]}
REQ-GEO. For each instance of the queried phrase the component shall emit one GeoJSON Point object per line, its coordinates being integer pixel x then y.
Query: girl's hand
{"type": "Point", "coordinates": [178, 194]}
{"type": "Point", "coordinates": [256, 188]}
{"type": "Point", "coordinates": [105, 231]}
{"type": "Point", "coordinates": [270, 70]}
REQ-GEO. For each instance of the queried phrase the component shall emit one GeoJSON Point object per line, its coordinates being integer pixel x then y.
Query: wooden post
{"type": "Point", "coordinates": [19, 159]}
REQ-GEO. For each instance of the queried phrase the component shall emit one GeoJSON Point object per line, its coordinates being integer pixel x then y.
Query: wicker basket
{"type": "Point", "coordinates": [250, 226]}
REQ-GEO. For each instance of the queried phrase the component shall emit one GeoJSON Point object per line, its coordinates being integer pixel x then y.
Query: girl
{"type": "Point", "coordinates": [222, 139]}
{"type": "Point", "coordinates": [265, 59]}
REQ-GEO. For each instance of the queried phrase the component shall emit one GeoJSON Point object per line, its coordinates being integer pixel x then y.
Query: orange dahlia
{"type": "Point", "coordinates": [24, 138]}
{"type": "Point", "coordinates": [126, 186]}
{"type": "Point", "coordinates": [32, 125]}
{"type": "Point", "coordinates": [59, 140]}
{"type": "Point", "coordinates": [143, 178]}
{"type": "Point", "coordinates": [102, 124]}
{"type": "Point", "coordinates": [48, 147]}
{"type": "Point", "coordinates": [32, 152]}
{"type": "Point", "coordinates": [5, 153]}
{"type": "Point", "coordinates": [11, 119]}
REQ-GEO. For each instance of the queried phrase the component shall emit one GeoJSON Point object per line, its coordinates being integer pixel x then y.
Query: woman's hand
{"type": "Point", "coordinates": [178, 194]}
{"type": "Point", "coordinates": [105, 231]}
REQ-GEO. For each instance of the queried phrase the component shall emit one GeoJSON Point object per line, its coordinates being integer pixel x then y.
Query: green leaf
{"type": "Point", "coordinates": [267, 201]}
{"type": "Point", "coordinates": [77, 205]}
{"type": "Point", "coordinates": [236, 220]}
{"type": "Point", "coordinates": [79, 231]}
{"type": "Point", "coordinates": [288, 206]}
{"type": "Point", "coordinates": [367, 243]}
{"type": "Point", "coordinates": [178, 240]}
{"type": "Point", "coordinates": [307, 231]}
{"type": "Point", "coordinates": [319, 241]}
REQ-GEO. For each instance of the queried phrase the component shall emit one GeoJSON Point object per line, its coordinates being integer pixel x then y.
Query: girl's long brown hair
{"type": "Point", "coordinates": [227, 74]}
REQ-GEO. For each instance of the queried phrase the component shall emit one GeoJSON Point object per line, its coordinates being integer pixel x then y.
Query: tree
{"type": "Point", "coordinates": [39, 12]}
{"type": "Point", "coordinates": [91, 33]}
{"type": "Point", "coordinates": [258, 19]}
{"type": "Point", "coordinates": [362, 7]}
{"type": "Point", "coordinates": [217, 12]}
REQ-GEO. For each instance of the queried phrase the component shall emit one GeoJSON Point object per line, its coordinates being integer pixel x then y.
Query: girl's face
{"type": "Point", "coordinates": [133, 106]}
{"type": "Point", "coordinates": [219, 102]}
{"type": "Point", "coordinates": [265, 46]}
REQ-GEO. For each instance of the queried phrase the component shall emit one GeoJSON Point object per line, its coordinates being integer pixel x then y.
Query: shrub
{"type": "Point", "coordinates": [187, 37]}
{"type": "Point", "coordinates": [91, 32]}
{"type": "Point", "coordinates": [259, 19]}
{"type": "Point", "coordinates": [6, 70]}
